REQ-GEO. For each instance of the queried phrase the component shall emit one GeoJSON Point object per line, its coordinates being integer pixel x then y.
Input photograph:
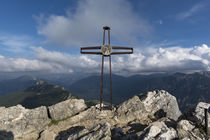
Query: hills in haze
{"type": "Point", "coordinates": [39, 94]}
{"type": "Point", "coordinates": [16, 84]}
{"type": "Point", "coordinates": [189, 89]}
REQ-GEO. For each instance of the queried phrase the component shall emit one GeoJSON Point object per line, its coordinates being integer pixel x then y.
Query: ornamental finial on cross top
{"type": "Point", "coordinates": [106, 50]}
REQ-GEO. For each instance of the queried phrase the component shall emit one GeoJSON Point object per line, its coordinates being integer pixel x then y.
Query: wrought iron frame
{"type": "Point", "coordinates": [129, 50]}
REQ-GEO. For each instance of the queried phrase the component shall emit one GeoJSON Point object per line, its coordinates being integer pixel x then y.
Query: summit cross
{"type": "Point", "coordinates": [106, 50]}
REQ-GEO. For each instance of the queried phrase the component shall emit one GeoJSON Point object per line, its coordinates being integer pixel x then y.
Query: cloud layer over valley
{"type": "Point", "coordinates": [143, 60]}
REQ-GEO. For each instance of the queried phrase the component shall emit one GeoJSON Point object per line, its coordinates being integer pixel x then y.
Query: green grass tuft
{"type": "Point", "coordinates": [55, 122]}
{"type": "Point", "coordinates": [202, 129]}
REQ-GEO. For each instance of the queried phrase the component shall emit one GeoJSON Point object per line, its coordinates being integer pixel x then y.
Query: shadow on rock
{"type": "Point", "coordinates": [160, 114]}
{"type": "Point", "coordinates": [6, 135]}
{"type": "Point", "coordinates": [118, 133]}
{"type": "Point", "coordinates": [64, 135]}
{"type": "Point", "coordinates": [136, 127]}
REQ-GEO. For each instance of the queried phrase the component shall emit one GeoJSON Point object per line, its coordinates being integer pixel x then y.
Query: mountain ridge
{"type": "Point", "coordinates": [189, 89]}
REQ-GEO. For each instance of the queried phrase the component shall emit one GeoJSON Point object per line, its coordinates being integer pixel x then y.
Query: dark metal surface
{"type": "Point", "coordinates": [90, 48]}
{"type": "Point", "coordinates": [129, 50]}
{"type": "Point", "coordinates": [102, 69]}
{"type": "Point", "coordinates": [110, 72]}
{"type": "Point", "coordinates": [114, 53]}
{"type": "Point", "coordinates": [106, 28]}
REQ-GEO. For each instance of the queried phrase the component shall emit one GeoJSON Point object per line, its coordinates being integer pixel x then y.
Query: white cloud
{"type": "Point", "coordinates": [22, 64]}
{"type": "Point", "coordinates": [189, 13]}
{"type": "Point", "coordinates": [150, 60]}
{"type": "Point", "coordinates": [167, 60]}
{"type": "Point", "coordinates": [84, 26]}
{"type": "Point", "coordinates": [63, 62]}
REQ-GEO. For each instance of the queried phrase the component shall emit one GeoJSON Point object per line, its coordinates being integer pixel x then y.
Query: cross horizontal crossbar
{"type": "Point", "coordinates": [122, 48]}
{"type": "Point", "coordinates": [100, 53]}
{"type": "Point", "coordinates": [90, 48]}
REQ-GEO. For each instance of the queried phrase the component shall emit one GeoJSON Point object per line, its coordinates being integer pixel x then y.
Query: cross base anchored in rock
{"type": "Point", "coordinates": [106, 50]}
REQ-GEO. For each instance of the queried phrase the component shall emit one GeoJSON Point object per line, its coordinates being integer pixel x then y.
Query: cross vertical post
{"type": "Point", "coordinates": [106, 50]}
{"type": "Point", "coordinates": [110, 75]}
{"type": "Point", "coordinates": [102, 69]}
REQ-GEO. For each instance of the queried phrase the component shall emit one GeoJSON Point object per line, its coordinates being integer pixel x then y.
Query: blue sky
{"type": "Point", "coordinates": [46, 35]}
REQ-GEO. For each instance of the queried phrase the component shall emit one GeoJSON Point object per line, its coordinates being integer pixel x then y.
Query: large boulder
{"type": "Point", "coordinates": [66, 108]}
{"type": "Point", "coordinates": [157, 103]}
{"type": "Point", "coordinates": [22, 122]}
{"type": "Point", "coordinates": [160, 101]}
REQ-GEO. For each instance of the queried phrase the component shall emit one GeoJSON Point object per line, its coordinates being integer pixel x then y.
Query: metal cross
{"type": "Point", "coordinates": [106, 50]}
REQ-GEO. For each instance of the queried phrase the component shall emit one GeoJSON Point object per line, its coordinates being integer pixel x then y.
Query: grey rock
{"type": "Point", "coordinates": [186, 130]}
{"type": "Point", "coordinates": [22, 122]}
{"type": "Point", "coordinates": [88, 118]}
{"type": "Point", "coordinates": [66, 108]}
{"type": "Point", "coordinates": [74, 132]}
{"type": "Point", "coordinates": [161, 100]}
{"type": "Point", "coordinates": [199, 112]}
{"type": "Point", "coordinates": [131, 109]}
{"type": "Point", "coordinates": [158, 131]}
{"type": "Point", "coordinates": [158, 103]}
{"type": "Point", "coordinates": [99, 131]}
{"type": "Point", "coordinates": [47, 135]}
{"type": "Point", "coordinates": [129, 132]}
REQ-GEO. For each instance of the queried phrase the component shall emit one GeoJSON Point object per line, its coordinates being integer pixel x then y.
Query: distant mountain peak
{"type": "Point", "coordinates": [41, 82]}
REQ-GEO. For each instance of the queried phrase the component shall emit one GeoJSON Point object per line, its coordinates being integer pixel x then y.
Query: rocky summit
{"type": "Point", "coordinates": [149, 116]}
